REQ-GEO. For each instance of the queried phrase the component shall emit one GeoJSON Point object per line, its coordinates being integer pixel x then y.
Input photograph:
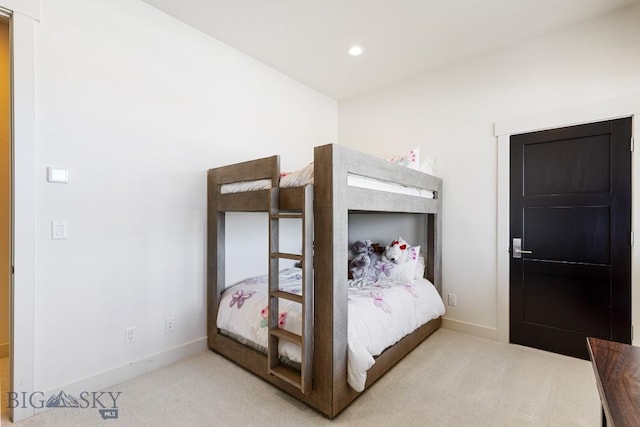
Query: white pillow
{"type": "Point", "coordinates": [429, 166]}
{"type": "Point", "coordinates": [420, 267]}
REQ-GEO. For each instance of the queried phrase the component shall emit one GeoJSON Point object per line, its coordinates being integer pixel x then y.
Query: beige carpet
{"type": "Point", "coordinates": [451, 379]}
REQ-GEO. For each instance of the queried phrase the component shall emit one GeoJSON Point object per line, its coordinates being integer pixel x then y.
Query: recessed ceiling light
{"type": "Point", "coordinates": [355, 51]}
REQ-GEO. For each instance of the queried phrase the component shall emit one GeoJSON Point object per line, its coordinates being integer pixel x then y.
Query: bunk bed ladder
{"type": "Point", "coordinates": [300, 379]}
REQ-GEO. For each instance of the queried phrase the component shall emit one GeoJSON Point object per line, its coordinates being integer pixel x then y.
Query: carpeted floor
{"type": "Point", "coordinates": [451, 379]}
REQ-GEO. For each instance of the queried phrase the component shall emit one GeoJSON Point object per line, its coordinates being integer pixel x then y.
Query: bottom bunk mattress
{"type": "Point", "coordinates": [380, 313]}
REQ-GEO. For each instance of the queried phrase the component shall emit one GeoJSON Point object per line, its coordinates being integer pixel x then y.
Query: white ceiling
{"type": "Point", "coordinates": [308, 39]}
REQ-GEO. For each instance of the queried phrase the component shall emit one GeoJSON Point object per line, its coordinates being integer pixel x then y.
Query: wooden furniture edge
{"type": "Point", "coordinates": [615, 365]}
{"type": "Point", "coordinates": [251, 170]}
{"type": "Point", "coordinates": [601, 393]}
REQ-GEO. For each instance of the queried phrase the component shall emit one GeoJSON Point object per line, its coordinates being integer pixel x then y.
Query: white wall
{"type": "Point", "coordinates": [450, 114]}
{"type": "Point", "coordinates": [23, 38]}
{"type": "Point", "coordinates": [138, 106]}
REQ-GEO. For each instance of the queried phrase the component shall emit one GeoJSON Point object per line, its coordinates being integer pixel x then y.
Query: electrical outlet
{"type": "Point", "coordinates": [169, 324]}
{"type": "Point", "coordinates": [130, 335]}
{"type": "Point", "coordinates": [453, 299]}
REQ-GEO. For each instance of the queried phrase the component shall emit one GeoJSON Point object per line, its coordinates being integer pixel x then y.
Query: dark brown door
{"type": "Point", "coordinates": [571, 207]}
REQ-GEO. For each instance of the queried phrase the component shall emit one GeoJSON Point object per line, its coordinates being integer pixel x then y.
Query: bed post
{"type": "Point", "coordinates": [215, 255]}
{"type": "Point", "coordinates": [434, 243]}
{"type": "Point", "coordinates": [330, 257]}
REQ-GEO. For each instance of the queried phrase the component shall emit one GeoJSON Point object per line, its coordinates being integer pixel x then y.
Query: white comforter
{"type": "Point", "coordinates": [379, 315]}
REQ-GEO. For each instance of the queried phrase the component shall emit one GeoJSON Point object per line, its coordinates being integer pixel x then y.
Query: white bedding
{"type": "Point", "coordinates": [298, 178]}
{"type": "Point", "coordinates": [379, 315]}
{"type": "Point", "coordinates": [304, 177]}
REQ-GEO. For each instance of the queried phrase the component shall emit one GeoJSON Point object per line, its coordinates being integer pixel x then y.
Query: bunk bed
{"type": "Point", "coordinates": [323, 208]}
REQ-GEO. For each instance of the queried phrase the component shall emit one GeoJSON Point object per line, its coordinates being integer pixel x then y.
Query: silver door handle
{"type": "Point", "coordinates": [517, 250]}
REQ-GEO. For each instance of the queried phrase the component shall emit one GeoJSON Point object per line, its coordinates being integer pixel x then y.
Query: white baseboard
{"type": "Point", "coordinates": [128, 371]}
{"type": "Point", "coordinates": [4, 350]}
{"type": "Point", "coordinates": [470, 329]}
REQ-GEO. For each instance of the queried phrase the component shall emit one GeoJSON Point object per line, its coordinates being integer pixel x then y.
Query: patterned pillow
{"type": "Point", "coordinates": [297, 178]}
{"type": "Point", "coordinates": [404, 272]}
{"type": "Point", "coordinates": [410, 159]}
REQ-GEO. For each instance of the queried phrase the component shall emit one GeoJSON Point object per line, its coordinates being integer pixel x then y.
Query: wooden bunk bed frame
{"type": "Point", "coordinates": [333, 199]}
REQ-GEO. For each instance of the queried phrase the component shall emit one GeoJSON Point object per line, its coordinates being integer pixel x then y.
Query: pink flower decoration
{"type": "Point", "coordinates": [282, 319]}
{"type": "Point", "coordinates": [409, 288]}
{"type": "Point", "coordinates": [265, 315]}
{"type": "Point", "coordinates": [378, 301]}
{"type": "Point", "coordinates": [384, 267]}
{"type": "Point", "coordinates": [240, 297]}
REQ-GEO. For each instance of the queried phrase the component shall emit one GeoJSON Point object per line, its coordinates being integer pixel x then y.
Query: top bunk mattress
{"type": "Point", "coordinates": [298, 178]}
{"type": "Point", "coordinates": [304, 176]}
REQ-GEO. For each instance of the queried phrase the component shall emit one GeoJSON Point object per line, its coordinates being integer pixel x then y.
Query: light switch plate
{"type": "Point", "coordinates": [452, 300]}
{"type": "Point", "coordinates": [57, 175]}
{"type": "Point", "coordinates": [58, 230]}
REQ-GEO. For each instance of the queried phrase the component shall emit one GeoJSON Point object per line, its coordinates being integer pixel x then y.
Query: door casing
{"type": "Point", "coordinates": [24, 17]}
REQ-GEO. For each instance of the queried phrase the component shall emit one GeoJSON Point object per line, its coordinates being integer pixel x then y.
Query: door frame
{"type": "Point", "coordinates": [601, 111]}
{"type": "Point", "coordinates": [24, 17]}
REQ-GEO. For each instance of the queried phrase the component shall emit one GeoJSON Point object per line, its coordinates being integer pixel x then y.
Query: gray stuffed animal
{"type": "Point", "coordinates": [361, 251]}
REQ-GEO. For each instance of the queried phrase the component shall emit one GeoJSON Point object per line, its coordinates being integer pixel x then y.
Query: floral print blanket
{"type": "Point", "coordinates": [379, 314]}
